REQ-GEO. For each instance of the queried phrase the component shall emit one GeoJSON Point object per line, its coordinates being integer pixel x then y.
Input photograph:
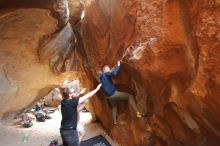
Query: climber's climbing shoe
{"type": "Point", "coordinates": [140, 115]}
{"type": "Point", "coordinates": [119, 123]}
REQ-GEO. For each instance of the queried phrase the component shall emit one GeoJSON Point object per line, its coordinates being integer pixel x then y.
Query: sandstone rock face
{"type": "Point", "coordinates": [59, 8]}
{"type": "Point", "coordinates": [21, 30]}
{"type": "Point", "coordinates": [170, 62]}
{"type": "Point", "coordinates": [172, 67]}
{"type": "Point", "coordinates": [53, 98]}
{"type": "Point", "coordinates": [57, 48]}
{"type": "Point", "coordinates": [75, 9]}
{"type": "Point", "coordinates": [36, 48]}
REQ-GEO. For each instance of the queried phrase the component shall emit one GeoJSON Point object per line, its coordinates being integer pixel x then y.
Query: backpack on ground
{"type": "Point", "coordinates": [40, 117]}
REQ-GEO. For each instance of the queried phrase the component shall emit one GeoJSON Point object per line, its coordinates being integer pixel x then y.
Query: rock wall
{"type": "Point", "coordinates": [171, 67]}
{"type": "Point", "coordinates": [170, 64]}
{"type": "Point", "coordinates": [37, 46]}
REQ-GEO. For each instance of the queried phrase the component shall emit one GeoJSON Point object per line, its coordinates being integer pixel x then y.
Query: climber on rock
{"type": "Point", "coordinates": [113, 94]}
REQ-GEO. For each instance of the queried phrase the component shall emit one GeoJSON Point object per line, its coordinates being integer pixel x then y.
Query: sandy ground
{"type": "Point", "coordinates": [41, 133]}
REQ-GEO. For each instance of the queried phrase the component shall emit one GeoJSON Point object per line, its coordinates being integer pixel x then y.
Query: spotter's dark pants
{"type": "Point", "coordinates": [70, 137]}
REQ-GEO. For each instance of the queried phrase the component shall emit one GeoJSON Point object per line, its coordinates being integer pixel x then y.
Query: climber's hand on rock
{"type": "Point", "coordinates": [119, 63]}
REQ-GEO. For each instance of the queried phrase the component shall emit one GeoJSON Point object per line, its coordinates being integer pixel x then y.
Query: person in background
{"type": "Point", "coordinates": [80, 124]}
{"type": "Point", "coordinates": [27, 120]}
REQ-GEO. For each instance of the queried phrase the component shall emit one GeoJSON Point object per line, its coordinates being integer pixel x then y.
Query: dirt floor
{"type": "Point", "coordinates": [41, 133]}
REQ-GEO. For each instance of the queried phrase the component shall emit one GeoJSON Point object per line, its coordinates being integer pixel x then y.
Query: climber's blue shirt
{"type": "Point", "coordinates": [106, 81]}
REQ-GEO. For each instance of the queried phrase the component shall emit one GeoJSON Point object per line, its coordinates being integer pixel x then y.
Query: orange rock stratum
{"type": "Point", "coordinates": [171, 65]}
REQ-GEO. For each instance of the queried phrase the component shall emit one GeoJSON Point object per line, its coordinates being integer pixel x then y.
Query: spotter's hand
{"type": "Point", "coordinates": [83, 91]}
{"type": "Point", "coordinates": [98, 87]}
